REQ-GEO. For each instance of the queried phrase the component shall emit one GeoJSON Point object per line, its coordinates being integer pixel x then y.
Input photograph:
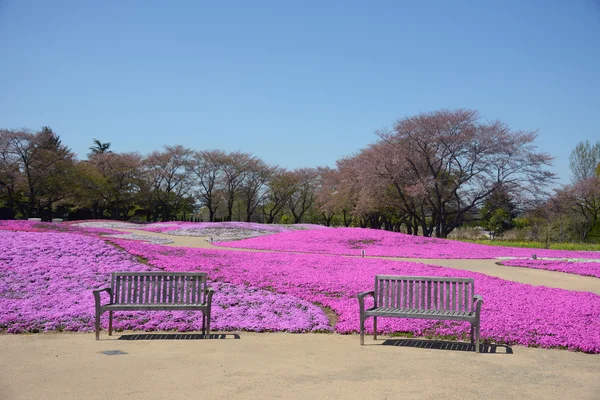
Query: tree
{"type": "Point", "coordinates": [347, 188]}
{"type": "Point", "coordinates": [326, 193]}
{"type": "Point", "coordinates": [45, 165]}
{"type": "Point", "coordinates": [443, 166]}
{"type": "Point", "coordinates": [584, 160]}
{"type": "Point", "coordinates": [99, 148]}
{"type": "Point", "coordinates": [498, 212]}
{"type": "Point", "coordinates": [583, 198]}
{"type": "Point", "coordinates": [113, 183]}
{"type": "Point", "coordinates": [11, 177]}
{"type": "Point", "coordinates": [235, 168]}
{"type": "Point", "coordinates": [304, 181]}
{"type": "Point", "coordinates": [207, 171]}
{"type": "Point", "coordinates": [168, 175]}
{"type": "Point", "coordinates": [253, 187]}
{"type": "Point", "coordinates": [387, 189]}
{"type": "Point", "coordinates": [281, 185]}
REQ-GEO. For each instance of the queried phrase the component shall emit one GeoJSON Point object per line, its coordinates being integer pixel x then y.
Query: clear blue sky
{"type": "Point", "coordinates": [298, 83]}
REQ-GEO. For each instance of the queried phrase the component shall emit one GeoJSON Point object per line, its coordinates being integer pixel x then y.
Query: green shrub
{"type": "Point", "coordinates": [286, 219]}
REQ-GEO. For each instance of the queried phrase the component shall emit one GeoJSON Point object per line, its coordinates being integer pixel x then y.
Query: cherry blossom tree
{"type": "Point", "coordinates": [443, 165]}
{"type": "Point", "coordinates": [168, 174]}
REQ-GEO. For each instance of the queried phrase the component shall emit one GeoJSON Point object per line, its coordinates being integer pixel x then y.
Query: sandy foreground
{"type": "Point", "coordinates": [246, 365]}
{"type": "Point", "coordinates": [283, 366]}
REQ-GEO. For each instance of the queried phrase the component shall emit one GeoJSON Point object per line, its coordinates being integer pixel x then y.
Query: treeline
{"type": "Point", "coordinates": [429, 174]}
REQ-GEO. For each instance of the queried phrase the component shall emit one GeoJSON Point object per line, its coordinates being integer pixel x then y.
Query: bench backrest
{"type": "Point", "coordinates": [159, 287]}
{"type": "Point", "coordinates": [425, 292]}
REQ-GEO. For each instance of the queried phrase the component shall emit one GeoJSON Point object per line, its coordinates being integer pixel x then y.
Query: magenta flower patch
{"type": "Point", "coordinates": [34, 226]}
{"type": "Point", "coordinates": [352, 241]}
{"type": "Point", "coordinates": [512, 313]}
{"type": "Point", "coordinates": [46, 283]}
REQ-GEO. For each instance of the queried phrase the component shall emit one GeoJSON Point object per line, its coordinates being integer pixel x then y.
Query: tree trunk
{"type": "Point", "coordinates": [347, 218]}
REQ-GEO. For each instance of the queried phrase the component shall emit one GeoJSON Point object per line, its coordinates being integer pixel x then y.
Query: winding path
{"type": "Point", "coordinates": [536, 277]}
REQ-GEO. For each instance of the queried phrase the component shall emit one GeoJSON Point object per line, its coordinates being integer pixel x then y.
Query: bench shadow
{"type": "Point", "coordinates": [446, 345]}
{"type": "Point", "coordinates": [178, 336]}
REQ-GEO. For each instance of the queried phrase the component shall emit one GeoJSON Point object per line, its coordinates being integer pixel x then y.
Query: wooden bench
{"type": "Point", "coordinates": [438, 298]}
{"type": "Point", "coordinates": [144, 291]}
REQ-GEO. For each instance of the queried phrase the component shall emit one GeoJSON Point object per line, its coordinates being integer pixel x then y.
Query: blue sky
{"type": "Point", "coordinates": [296, 83]}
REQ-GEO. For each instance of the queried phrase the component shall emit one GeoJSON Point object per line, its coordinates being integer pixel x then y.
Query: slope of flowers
{"type": "Point", "coordinates": [46, 283]}
{"type": "Point", "coordinates": [513, 313]}
{"type": "Point", "coordinates": [352, 241]}
{"type": "Point", "coordinates": [585, 268]}
{"type": "Point", "coordinates": [218, 231]}
{"type": "Point", "coordinates": [35, 226]}
{"type": "Point", "coordinates": [105, 224]}
{"type": "Point", "coordinates": [232, 229]}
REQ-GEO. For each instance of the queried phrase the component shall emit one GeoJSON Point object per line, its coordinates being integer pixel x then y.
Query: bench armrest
{"type": "Point", "coordinates": [364, 294]}
{"type": "Point", "coordinates": [209, 294]}
{"type": "Point", "coordinates": [478, 299]}
{"type": "Point", "coordinates": [361, 299]}
{"type": "Point", "coordinates": [97, 295]}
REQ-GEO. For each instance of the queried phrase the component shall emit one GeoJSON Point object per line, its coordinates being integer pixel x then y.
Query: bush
{"type": "Point", "coordinates": [286, 219]}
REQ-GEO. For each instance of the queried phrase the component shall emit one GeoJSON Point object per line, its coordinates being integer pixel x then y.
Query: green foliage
{"type": "Point", "coordinates": [336, 220]}
{"type": "Point", "coordinates": [498, 213]}
{"type": "Point", "coordinates": [594, 234]}
{"type": "Point", "coordinates": [498, 222]}
{"type": "Point", "coordinates": [286, 219]}
{"type": "Point", "coordinates": [521, 222]}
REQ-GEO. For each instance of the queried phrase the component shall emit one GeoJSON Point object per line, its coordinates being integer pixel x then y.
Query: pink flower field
{"type": "Point", "coordinates": [583, 268]}
{"type": "Point", "coordinates": [352, 241]}
{"type": "Point", "coordinates": [47, 275]}
{"type": "Point", "coordinates": [47, 278]}
{"type": "Point", "coordinates": [513, 313]}
{"type": "Point", "coordinates": [169, 227]}
{"type": "Point", "coordinates": [33, 226]}
{"type": "Point", "coordinates": [217, 231]}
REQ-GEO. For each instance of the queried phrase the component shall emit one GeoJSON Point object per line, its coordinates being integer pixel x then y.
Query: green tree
{"type": "Point", "coordinates": [99, 148]}
{"type": "Point", "coordinates": [46, 167]}
{"type": "Point", "coordinates": [584, 161]}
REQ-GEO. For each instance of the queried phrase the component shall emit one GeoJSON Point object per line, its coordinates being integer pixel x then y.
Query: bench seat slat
{"type": "Point", "coordinates": [419, 313]}
{"type": "Point", "coordinates": [416, 311]}
{"type": "Point", "coordinates": [148, 307]}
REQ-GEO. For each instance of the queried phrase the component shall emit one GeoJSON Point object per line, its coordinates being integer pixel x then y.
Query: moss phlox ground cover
{"type": "Point", "coordinates": [35, 226]}
{"type": "Point", "coordinates": [513, 313]}
{"type": "Point", "coordinates": [352, 241]}
{"type": "Point", "coordinates": [47, 278]}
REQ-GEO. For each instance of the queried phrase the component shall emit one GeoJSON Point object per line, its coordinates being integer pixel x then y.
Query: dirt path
{"type": "Point", "coordinates": [531, 276]}
{"type": "Point", "coordinates": [283, 366]}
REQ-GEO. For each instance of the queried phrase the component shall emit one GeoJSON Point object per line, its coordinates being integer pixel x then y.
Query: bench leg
{"type": "Point", "coordinates": [203, 324]}
{"type": "Point", "coordinates": [207, 326]}
{"type": "Point", "coordinates": [362, 330]}
{"type": "Point", "coordinates": [97, 324]}
{"type": "Point", "coordinates": [110, 319]}
{"type": "Point", "coordinates": [472, 331]}
{"type": "Point", "coordinates": [477, 340]}
{"type": "Point", "coordinates": [374, 328]}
